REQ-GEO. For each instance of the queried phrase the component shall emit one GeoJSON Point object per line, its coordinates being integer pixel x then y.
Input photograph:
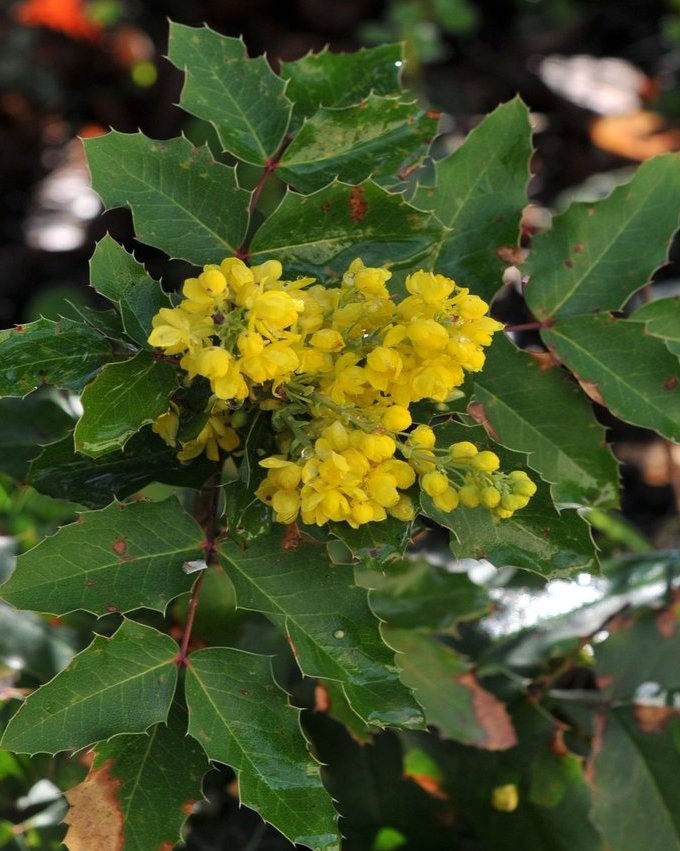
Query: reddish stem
{"type": "Point", "coordinates": [530, 326]}
{"type": "Point", "coordinates": [182, 656]}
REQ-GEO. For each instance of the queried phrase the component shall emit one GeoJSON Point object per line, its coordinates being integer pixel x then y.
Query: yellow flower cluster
{"type": "Point", "coordinates": [339, 367]}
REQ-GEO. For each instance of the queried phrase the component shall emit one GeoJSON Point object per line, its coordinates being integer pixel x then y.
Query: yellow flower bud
{"type": "Point", "coordinates": [396, 418]}
{"type": "Point", "coordinates": [490, 496]}
{"type": "Point", "coordinates": [469, 496]}
{"type": "Point", "coordinates": [434, 483]}
{"type": "Point", "coordinates": [423, 437]}
{"type": "Point", "coordinates": [213, 362]}
{"type": "Point", "coordinates": [486, 462]}
{"type": "Point", "coordinates": [513, 502]}
{"type": "Point", "coordinates": [448, 500]}
{"type": "Point", "coordinates": [462, 451]}
{"type": "Point", "coordinates": [427, 335]}
{"type": "Point", "coordinates": [327, 340]}
{"type": "Point", "coordinates": [505, 798]}
{"type": "Point", "coordinates": [404, 510]}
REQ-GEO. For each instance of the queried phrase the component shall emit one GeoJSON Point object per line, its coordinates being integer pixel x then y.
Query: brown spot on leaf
{"type": "Point", "coordinates": [592, 390]}
{"type": "Point", "coordinates": [579, 248]}
{"type": "Point", "coordinates": [188, 807]}
{"type": "Point", "coordinates": [89, 583]}
{"type": "Point", "coordinates": [432, 115]}
{"type": "Point", "coordinates": [544, 360]}
{"type": "Point", "coordinates": [119, 546]}
{"type": "Point", "coordinates": [325, 207]}
{"type": "Point", "coordinates": [292, 646]}
{"type": "Point", "coordinates": [569, 264]}
{"type": "Point", "coordinates": [322, 700]}
{"type": "Point", "coordinates": [166, 846]}
{"type": "Point", "coordinates": [671, 383]}
{"type": "Point", "coordinates": [491, 715]}
{"type": "Point", "coordinates": [513, 255]}
{"type": "Point", "coordinates": [111, 609]}
{"type": "Point", "coordinates": [478, 414]}
{"type": "Point", "coordinates": [20, 329]}
{"type": "Point", "coordinates": [654, 719]}
{"type": "Point", "coordinates": [95, 819]}
{"type": "Point", "coordinates": [357, 204]}
{"type": "Point", "coordinates": [291, 537]}
{"type": "Point", "coordinates": [666, 622]}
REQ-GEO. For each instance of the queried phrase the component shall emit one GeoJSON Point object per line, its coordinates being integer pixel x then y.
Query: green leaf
{"type": "Point", "coordinates": [479, 195]}
{"type": "Point", "coordinates": [325, 231]}
{"type": "Point", "coordinates": [636, 802]}
{"type": "Point", "coordinates": [341, 79]}
{"type": "Point", "coordinates": [26, 425]}
{"type": "Point", "coordinates": [527, 415]}
{"type": "Point", "coordinates": [154, 780]}
{"type": "Point", "coordinates": [124, 397]}
{"type": "Point", "coordinates": [333, 633]}
{"type": "Point", "coordinates": [122, 684]}
{"type": "Point", "coordinates": [373, 542]}
{"type": "Point", "coordinates": [106, 322]}
{"type": "Point", "coordinates": [65, 353]}
{"type": "Point", "coordinates": [242, 98]}
{"type": "Point", "coordinates": [453, 700]}
{"type": "Point", "coordinates": [635, 374]}
{"type": "Point", "coordinates": [382, 137]}
{"type": "Point", "coordinates": [238, 714]}
{"type": "Point", "coordinates": [117, 559]}
{"type": "Point", "coordinates": [598, 254]}
{"type": "Point", "coordinates": [419, 596]}
{"type": "Point", "coordinates": [662, 318]}
{"type": "Point", "coordinates": [182, 200]}
{"type": "Point", "coordinates": [536, 538]}
{"type": "Point", "coordinates": [63, 473]}
{"type": "Point", "coordinates": [117, 275]}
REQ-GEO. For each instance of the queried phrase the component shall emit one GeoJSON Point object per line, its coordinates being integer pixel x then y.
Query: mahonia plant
{"type": "Point", "coordinates": [263, 448]}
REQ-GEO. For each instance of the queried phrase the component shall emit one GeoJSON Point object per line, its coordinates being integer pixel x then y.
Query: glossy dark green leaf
{"type": "Point", "coordinates": [117, 559]}
{"type": "Point", "coordinates": [598, 254]}
{"type": "Point", "coordinates": [107, 322]}
{"type": "Point", "coordinates": [117, 275]}
{"type": "Point", "coordinates": [635, 375]}
{"type": "Point", "coordinates": [636, 799]}
{"type": "Point", "coordinates": [26, 425]}
{"type": "Point", "coordinates": [383, 138]}
{"type": "Point", "coordinates": [479, 195]}
{"type": "Point", "coordinates": [65, 353]}
{"type": "Point", "coordinates": [537, 537]}
{"type": "Point", "coordinates": [63, 473]}
{"type": "Point", "coordinates": [182, 200]}
{"type": "Point", "coordinates": [341, 79]}
{"type": "Point", "coordinates": [662, 319]}
{"type": "Point", "coordinates": [417, 595]}
{"type": "Point", "coordinates": [123, 398]}
{"type": "Point", "coordinates": [449, 693]}
{"type": "Point", "coordinates": [333, 632]}
{"type": "Point", "coordinates": [154, 780]}
{"type": "Point", "coordinates": [373, 542]}
{"type": "Point", "coordinates": [525, 406]}
{"type": "Point", "coordinates": [242, 98]}
{"type": "Point", "coordinates": [242, 718]}
{"type": "Point", "coordinates": [122, 684]}
{"type": "Point", "coordinates": [324, 232]}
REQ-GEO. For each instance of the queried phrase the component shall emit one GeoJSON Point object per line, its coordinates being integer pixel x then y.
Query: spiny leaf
{"type": "Point", "coordinates": [382, 137]}
{"type": "Point", "coordinates": [65, 353]}
{"type": "Point", "coordinates": [139, 790]}
{"type": "Point", "coordinates": [479, 194]}
{"type": "Point", "coordinates": [662, 319]}
{"type": "Point", "coordinates": [124, 397]}
{"type": "Point", "coordinates": [333, 632]}
{"type": "Point", "coordinates": [598, 254]}
{"type": "Point", "coordinates": [117, 559]}
{"type": "Point", "coordinates": [322, 233]}
{"type": "Point", "coordinates": [122, 684]}
{"type": "Point", "coordinates": [117, 275]}
{"type": "Point", "coordinates": [341, 79]}
{"type": "Point", "coordinates": [635, 375]}
{"type": "Point", "coordinates": [527, 414]}
{"type": "Point", "coordinates": [182, 200]}
{"type": "Point", "coordinates": [242, 718]}
{"type": "Point", "coordinates": [242, 98]}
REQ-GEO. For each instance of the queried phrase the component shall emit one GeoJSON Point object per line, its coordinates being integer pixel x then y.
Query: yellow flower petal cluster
{"type": "Point", "coordinates": [339, 369]}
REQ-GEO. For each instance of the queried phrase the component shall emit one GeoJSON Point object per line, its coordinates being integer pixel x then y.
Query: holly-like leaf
{"type": "Point", "coordinates": [182, 200]}
{"type": "Point", "coordinates": [526, 414]}
{"type": "Point", "coordinates": [634, 374]}
{"type": "Point", "coordinates": [536, 537]}
{"type": "Point", "coordinates": [117, 559]}
{"type": "Point", "coordinates": [448, 691]}
{"type": "Point", "coordinates": [662, 319]}
{"type": "Point", "coordinates": [479, 195]}
{"type": "Point", "coordinates": [419, 596]}
{"type": "Point", "coordinates": [117, 275]}
{"type": "Point", "coordinates": [341, 79]}
{"type": "Point", "coordinates": [124, 397]}
{"type": "Point", "coordinates": [333, 632]}
{"type": "Point", "coordinates": [373, 542]}
{"type": "Point", "coordinates": [139, 790]}
{"type": "Point", "coordinates": [26, 425]}
{"type": "Point", "coordinates": [325, 231]}
{"type": "Point", "coordinates": [598, 254]}
{"type": "Point", "coordinates": [382, 137]}
{"type": "Point", "coordinates": [107, 322]}
{"type": "Point", "coordinates": [242, 98]}
{"type": "Point", "coordinates": [241, 717]}
{"type": "Point", "coordinates": [643, 811]}
{"type": "Point", "coordinates": [63, 473]}
{"type": "Point", "coordinates": [65, 353]}
{"type": "Point", "coordinates": [122, 684]}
